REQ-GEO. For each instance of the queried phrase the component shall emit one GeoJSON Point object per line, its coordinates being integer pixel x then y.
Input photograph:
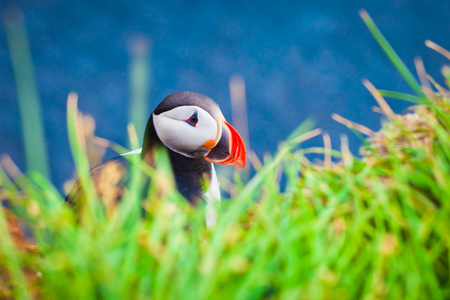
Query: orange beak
{"type": "Point", "coordinates": [229, 149]}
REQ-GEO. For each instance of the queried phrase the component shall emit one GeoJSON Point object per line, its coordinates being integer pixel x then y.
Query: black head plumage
{"type": "Point", "coordinates": [188, 98]}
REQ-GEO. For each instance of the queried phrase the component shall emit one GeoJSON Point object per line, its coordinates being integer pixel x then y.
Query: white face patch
{"type": "Point", "coordinates": [182, 137]}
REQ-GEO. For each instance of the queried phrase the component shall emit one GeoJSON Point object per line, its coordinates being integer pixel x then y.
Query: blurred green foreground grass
{"type": "Point", "coordinates": [370, 227]}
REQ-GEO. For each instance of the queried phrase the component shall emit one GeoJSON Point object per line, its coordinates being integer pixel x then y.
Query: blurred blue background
{"type": "Point", "coordinates": [299, 59]}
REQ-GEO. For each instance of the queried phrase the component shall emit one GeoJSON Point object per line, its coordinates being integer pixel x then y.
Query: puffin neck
{"type": "Point", "coordinates": [188, 172]}
{"type": "Point", "coordinates": [190, 175]}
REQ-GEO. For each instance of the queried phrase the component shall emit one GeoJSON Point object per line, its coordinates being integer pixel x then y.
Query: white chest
{"type": "Point", "coordinates": [212, 198]}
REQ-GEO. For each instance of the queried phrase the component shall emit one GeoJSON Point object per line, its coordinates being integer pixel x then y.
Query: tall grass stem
{"type": "Point", "coordinates": [27, 92]}
{"type": "Point", "coordinates": [140, 74]}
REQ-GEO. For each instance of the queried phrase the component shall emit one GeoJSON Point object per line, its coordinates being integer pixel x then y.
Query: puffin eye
{"type": "Point", "coordinates": [192, 120]}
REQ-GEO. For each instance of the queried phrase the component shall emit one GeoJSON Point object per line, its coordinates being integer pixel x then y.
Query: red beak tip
{"type": "Point", "coordinates": [241, 164]}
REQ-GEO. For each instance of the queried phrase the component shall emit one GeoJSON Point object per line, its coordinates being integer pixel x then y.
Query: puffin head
{"type": "Point", "coordinates": [192, 125]}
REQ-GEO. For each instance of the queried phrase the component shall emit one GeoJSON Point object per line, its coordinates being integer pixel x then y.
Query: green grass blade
{"type": "Point", "coordinates": [140, 74]}
{"type": "Point", "coordinates": [391, 54]}
{"type": "Point", "coordinates": [28, 96]}
{"type": "Point", "coordinates": [401, 96]}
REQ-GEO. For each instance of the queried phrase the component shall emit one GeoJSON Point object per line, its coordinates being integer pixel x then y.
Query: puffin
{"type": "Point", "coordinates": [193, 130]}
